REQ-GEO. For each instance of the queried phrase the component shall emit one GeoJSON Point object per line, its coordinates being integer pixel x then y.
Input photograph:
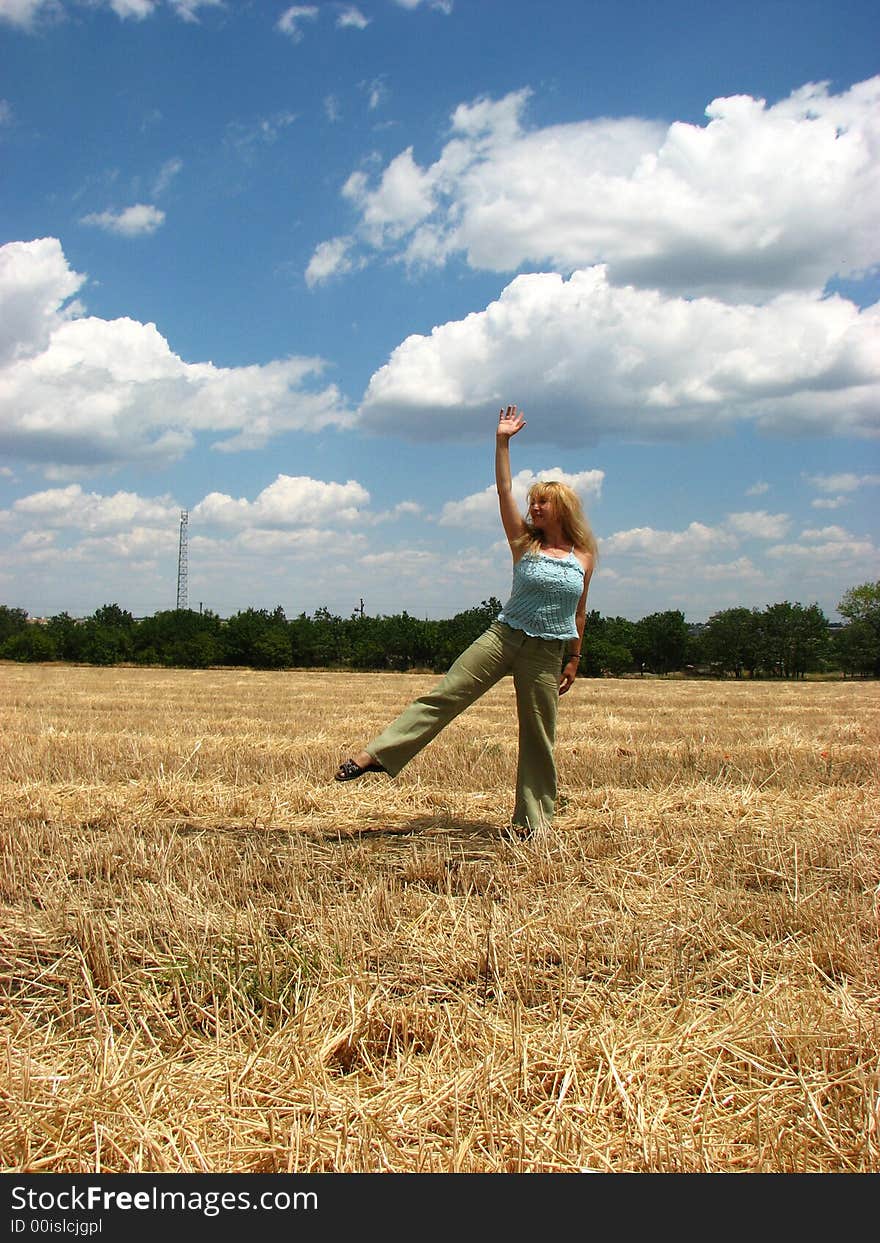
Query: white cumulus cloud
{"type": "Point", "coordinates": [696, 540]}
{"type": "Point", "coordinates": [844, 481]}
{"type": "Point", "coordinates": [25, 13]}
{"type": "Point", "coordinates": [36, 285]}
{"type": "Point", "coordinates": [78, 390]}
{"type": "Point", "coordinates": [330, 259]}
{"type": "Point", "coordinates": [759, 524]}
{"type": "Point", "coordinates": [135, 9]}
{"type": "Point", "coordinates": [831, 546]}
{"type": "Point", "coordinates": [72, 507]}
{"type": "Point", "coordinates": [290, 501]}
{"type": "Point", "coordinates": [401, 562]}
{"type": "Point", "coordinates": [442, 6]}
{"type": "Point", "coordinates": [136, 221]}
{"type": "Point", "coordinates": [188, 10]}
{"type": "Point", "coordinates": [291, 20]}
{"type": "Point", "coordinates": [352, 18]}
{"type": "Point", "coordinates": [761, 198]}
{"type": "Point", "coordinates": [585, 358]}
{"type": "Point", "coordinates": [166, 175]}
{"type": "Point", "coordinates": [829, 502]}
{"type": "Point", "coordinates": [402, 199]}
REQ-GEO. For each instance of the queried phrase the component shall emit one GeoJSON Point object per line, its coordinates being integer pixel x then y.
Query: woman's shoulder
{"type": "Point", "coordinates": [585, 558]}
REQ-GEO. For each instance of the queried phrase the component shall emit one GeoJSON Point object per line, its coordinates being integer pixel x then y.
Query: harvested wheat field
{"type": "Point", "coordinates": [215, 958]}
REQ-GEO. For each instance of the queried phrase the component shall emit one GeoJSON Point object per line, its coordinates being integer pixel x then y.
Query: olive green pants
{"type": "Point", "coordinates": [536, 667]}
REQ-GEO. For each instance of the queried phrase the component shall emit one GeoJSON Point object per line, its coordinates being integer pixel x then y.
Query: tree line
{"type": "Point", "coordinates": [780, 641]}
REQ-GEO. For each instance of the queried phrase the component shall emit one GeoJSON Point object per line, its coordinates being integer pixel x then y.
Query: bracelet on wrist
{"type": "Point", "coordinates": [572, 656]}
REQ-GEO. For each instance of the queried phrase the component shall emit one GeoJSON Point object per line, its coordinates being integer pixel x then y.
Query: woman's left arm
{"type": "Point", "coordinates": [573, 648]}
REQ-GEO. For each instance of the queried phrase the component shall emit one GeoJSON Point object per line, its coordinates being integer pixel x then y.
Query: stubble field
{"type": "Point", "coordinates": [215, 958]}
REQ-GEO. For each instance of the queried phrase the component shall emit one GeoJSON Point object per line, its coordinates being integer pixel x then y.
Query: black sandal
{"type": "Point", "coordinates": [350, 771]}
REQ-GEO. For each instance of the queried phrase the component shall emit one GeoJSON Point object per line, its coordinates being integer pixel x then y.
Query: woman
{"type": "Point", "coordinates": [539, 630]}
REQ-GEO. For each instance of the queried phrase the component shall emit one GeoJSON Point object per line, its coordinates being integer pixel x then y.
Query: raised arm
{"type": "Point", "coordinates": [509, 423]}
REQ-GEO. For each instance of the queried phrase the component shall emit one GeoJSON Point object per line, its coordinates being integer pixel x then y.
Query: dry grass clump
{"type": "Point", "coordinates": [214, 958]}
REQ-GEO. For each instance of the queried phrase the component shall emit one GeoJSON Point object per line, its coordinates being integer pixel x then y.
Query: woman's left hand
{"type": "Point", "coordinates": [569, 673]}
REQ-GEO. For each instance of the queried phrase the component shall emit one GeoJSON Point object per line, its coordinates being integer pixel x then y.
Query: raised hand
{"type": "Point", "coordinates": [510, 421]}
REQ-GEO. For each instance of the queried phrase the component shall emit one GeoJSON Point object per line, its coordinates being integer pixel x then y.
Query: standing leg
{"type": "Point", "coordinates": [477, 669]}
{"type": "Point", "coordinates": [536, 678]}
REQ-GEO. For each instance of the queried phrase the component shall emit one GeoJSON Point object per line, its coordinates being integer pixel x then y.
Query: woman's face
{"type": "Point", "coordinates": [541, 511]}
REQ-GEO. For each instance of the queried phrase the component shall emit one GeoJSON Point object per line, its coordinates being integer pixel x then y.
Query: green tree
{"type": "Point", "coordinates": [661, 641]}
{"type": "Point", "coordinates": [327, 644]}
{"type": "Point", "coordinates": [179, 637]}
{"type": "Point", "coordinates": [108, 636]}
{"type": "Point", "coordinates": [68, 636]}
{"type": "Point", "coordinates": [862, 604]}
{"type": "Point", "coordinates": [731, 641]}
{"type": "Point", "coordinates": [33, 643]}
{"type": "Point", "coordinates": [104, 645]}
{"type": "Point", "coordinates": [272, 649]}
{"type": "Point", "coordinates": [257, 638]}
{"type": "Point", "coordinates": [299, 630]}
{"type": "Point", "coordinates": [113, 616]}
{"type": "Point", "coordinates": [854, 648]}
{"type": "Point", "coordinates": [605, 657]}
{"type": "Point", "coordinates": [794, 639]}
{"type": "Point", "coordinates": [364, 640]}
{"type": "Point", "coordinates": [607, 647]}
{"type": "Point", "coordinates": [12, 621]}
{"type": "Point", "coordinates": [405, 640]}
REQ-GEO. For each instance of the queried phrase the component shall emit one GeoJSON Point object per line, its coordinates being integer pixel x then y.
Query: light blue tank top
{"type": "Point", "coordinates": [545, 595]}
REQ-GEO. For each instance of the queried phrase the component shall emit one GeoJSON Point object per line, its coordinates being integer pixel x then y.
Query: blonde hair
{"type": "Point", "coordinates": [569, 510]}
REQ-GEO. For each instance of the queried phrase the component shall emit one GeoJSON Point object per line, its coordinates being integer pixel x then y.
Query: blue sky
{"type": "Point", "coordinates": [280, 266]}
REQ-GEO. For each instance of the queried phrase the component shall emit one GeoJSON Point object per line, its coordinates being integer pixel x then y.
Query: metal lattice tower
{"type": "Point", "coordinates": [181, 561]}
